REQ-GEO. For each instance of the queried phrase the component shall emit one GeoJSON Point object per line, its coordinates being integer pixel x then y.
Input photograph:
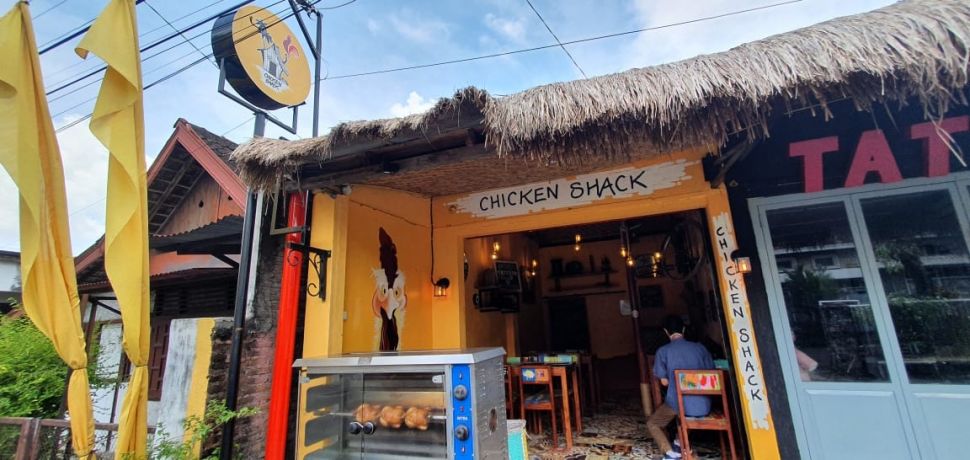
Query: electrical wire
{"type": "Point", "coordinates": [73, 35]}
{"type": "Point", "coordinates": [568, 54]}
{"type": "Point", "coordinates": [337, 6]}
{"type": "Point", "coordinates": [38, 15]}
{"type": "Point", "coordinates": [140, 36]}
{"type": "Point", "coordinates": [556, 45]}
{"type": "Point", "coordinates": [161, 41]}
{"type": "Point", "coordinates": [179, 32]}
{"type": "Point", "coordinates": [240, 125]}
{"type": "Point", "coordinates": [162, 79]}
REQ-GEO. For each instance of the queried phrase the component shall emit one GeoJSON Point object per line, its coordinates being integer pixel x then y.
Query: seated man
{"type": "Point", "coordinates": [679, 354]}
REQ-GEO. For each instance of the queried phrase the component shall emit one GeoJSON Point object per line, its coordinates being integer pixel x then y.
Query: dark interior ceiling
{"type": "Point", "coordinates": [605, 231]}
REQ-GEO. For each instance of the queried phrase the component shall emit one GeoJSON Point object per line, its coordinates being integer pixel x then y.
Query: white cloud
{"type": "Point", "coordinates": [415, 104]}
{"type": "Point", "coordinates": [85, 168]}
{"type": "Point", "coordinates": [689, 40]}
{"type": "Point", "coordinates": [511, 29]}
{"type": "Point", "coordinates": [373, 26]}
{"type": "Point", "coordinates": [422, 30]}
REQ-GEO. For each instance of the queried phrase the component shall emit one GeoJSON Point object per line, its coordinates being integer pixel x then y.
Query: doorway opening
{"type": "Point", "coordinates": [598, 294]}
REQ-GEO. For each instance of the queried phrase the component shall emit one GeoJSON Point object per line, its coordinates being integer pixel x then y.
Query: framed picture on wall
{"type": "Point", "coordinates": [507, 276]}
{"type": "Point", "coordinates": [651, 296]}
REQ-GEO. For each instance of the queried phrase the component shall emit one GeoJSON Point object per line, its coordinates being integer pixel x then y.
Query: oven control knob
{"type": "Point", "coordinates": [370, 428]}
{"type": "Point", "coordinates": [461, 432]}
{"type": "Point", "coordinates": [355, 428]}
{"type": "Point", "coordinates": [461, 392]}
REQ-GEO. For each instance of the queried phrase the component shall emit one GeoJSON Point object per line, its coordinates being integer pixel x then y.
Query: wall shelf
{"type": "Point", "coordinates": [601, 290]}
{"type": "Point", "coordinates": [581, 275]}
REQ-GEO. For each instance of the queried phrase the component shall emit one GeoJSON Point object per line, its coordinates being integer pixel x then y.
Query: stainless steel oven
{"type": "Point", "coordinates": [446, 404]}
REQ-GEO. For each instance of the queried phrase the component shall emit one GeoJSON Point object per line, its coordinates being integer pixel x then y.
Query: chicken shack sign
{"type": "Point", "coordinates": [578, 191]}
{"type": "Point", "coordinates": [262, 58]}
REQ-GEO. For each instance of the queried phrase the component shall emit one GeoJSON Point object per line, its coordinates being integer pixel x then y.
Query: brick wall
{"type": "Point", "coordinates": [256, 366]}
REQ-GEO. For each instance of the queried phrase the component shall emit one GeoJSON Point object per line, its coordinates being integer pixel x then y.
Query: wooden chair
{"type": "Point", "coordinates": [705, 383]}
{"type": "Point", "coordinates": [587, 384]}
{"type": "Point", "coordinates": [541, 399]}
{"type": "Point", "coordinates": [656, 395]}
{"type": "Point", "coordinates": [512, 397]}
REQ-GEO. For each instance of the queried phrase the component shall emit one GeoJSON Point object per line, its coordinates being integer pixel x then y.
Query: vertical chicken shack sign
{"type": "Point", "coordinates": [262, 58]}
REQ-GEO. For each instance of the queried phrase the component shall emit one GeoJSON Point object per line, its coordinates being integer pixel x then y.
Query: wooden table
{"type": "Point", "coordinates": [566, 373]}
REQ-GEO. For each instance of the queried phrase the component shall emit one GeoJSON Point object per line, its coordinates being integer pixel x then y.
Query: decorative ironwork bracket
{"type": "Point", "coordinates": [317, 258]}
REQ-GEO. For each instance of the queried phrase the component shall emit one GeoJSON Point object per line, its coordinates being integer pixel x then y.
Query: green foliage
{"type": "Point", "coordinates": [803, 290]}
{"type": "Point", "coordinates": [32, 375]}
{"type": "Point", "coordinates": [198, 429]}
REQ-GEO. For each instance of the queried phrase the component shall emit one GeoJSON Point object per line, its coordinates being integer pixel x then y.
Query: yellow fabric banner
{"type": "Point", "coordinates": [118, 122]}
{"type": "Point", "coordinates": [29, 152]}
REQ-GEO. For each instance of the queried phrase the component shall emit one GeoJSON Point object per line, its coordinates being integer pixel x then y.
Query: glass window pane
{"type": "Point", "coordinates": [922, 257]}
{"type": "Point", "coordinates": [825, 296]}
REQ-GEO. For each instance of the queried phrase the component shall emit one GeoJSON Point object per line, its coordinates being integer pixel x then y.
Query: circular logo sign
{"type": "Point", "coordinates": [263, 60]}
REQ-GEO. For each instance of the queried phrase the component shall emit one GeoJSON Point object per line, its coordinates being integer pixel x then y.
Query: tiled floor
{"type": "Point", "coordinates": [617, 431]}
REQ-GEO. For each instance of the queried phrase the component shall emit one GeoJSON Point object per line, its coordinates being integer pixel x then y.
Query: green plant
{"type": "Point", "coordinates": [803, 290]}
{"type": "Point", "coordinates": [198, 429]}
{"type": "Point", "coordinates": [32, 375]}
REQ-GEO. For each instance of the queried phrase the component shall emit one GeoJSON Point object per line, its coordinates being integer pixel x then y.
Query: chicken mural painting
{"type": "Point", "coordinates": [389, 299]}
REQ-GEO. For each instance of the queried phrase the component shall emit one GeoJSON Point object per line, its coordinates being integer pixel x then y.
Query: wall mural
{"type": "Point", "coordinates": [390, 298]}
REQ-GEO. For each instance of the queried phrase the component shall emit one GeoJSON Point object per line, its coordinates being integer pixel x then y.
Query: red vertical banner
{"type": "Point", "coordinates": [289, 306]}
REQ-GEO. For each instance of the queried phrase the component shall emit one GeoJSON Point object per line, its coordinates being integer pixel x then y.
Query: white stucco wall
{"type": "Point", "coordinates": [178, 376]}
{"type": "Point", "coordinates": [9, 271]}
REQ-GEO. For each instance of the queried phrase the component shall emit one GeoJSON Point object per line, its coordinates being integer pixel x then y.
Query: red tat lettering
{"type": "Point", "coordinates": [811, 152]}
{"type": "Point", "coordinates": [935, 147]}
{"type": "Point", "coordinates": [873, 155]}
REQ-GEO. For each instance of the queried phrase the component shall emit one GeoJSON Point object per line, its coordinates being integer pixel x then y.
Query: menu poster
{"type": "Point", "coordinates": [507, 276]}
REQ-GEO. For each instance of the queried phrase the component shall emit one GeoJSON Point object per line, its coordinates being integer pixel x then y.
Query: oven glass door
{"type": "Point", "coordinates": [330, 426]}
{"type": "Point", "coordinates": [411, 419]}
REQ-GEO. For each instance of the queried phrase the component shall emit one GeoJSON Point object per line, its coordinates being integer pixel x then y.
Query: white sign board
{"type": "Point", "coordinates": [567, 193]}
{"type": "Point", "coordinates": [739, 323]}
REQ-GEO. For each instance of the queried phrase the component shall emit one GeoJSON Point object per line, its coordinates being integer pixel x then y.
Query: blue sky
{"type": "Point", "coordinates": [369, 35]}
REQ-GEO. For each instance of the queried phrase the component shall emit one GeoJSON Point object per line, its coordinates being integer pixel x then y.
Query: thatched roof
{"type": "Point", "coordinates": [917, 49]}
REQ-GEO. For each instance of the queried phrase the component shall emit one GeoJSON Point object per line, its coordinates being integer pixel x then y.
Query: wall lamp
{"type": "Point", "coordinates": [741, 262]}
{"type": "Point", "coordinates": [441, 287]}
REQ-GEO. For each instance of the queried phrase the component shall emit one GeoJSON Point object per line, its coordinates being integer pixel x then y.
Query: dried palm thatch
{"type": "Point", "coordinates": [913, 50]}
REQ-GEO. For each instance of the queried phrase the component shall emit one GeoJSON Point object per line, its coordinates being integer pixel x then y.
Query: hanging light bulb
{"type": "Point", "coordinates": [623, 252]}
{"type": "Point", "coordinates": [657, 256]}
{"type": "Point", "coordinates": [494, 256]}
{"type": "Point", "coordinates": [496, 246]}
{"type": "Point", "coordinates": [629, 261]}
{"type": "Point", "coordinates": [579, 239]}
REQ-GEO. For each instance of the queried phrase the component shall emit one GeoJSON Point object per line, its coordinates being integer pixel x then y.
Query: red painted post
{"type": "Point", "coordinates": [279, 402]}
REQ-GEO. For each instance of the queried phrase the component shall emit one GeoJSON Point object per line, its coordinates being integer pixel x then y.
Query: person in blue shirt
{"type": "Point", "coordinates": [679, 354]}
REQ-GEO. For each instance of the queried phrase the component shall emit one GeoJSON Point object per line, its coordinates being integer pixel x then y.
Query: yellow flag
{"type": "Point", "coordinates": [29, 152]}
{"type": "Point", "coordinates": [118, 122]}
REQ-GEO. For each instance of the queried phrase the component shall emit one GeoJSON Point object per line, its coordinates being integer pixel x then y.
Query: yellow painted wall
{"type": "Point", "coordinates": [484, 329]}
{"type": "Point", "coordinates": [199, 387]}
{"type": "Point", "coordinates": [349, 224]}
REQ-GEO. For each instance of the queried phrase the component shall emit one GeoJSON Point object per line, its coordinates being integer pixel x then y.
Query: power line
{"type": "Point", "coordinates": [162, 79]}
{"type": "Point", "coordinates": [73, 35]}
{"type": "Point", "coordinates": [556, 45]}
{"type": "Point", "coordinates": [571, 58]}
{"type": "Point", "coordinates": [158, 43]}
{"type": "Point", "coordinates": [140, 36]}
{"type": "Point", "coordinates": [38, 15]}
{"type": "Point", "coordinates": [337, 6]}
{"type": "Point", "coordinates": [95, 72]}
{"type": "Point", "coordinates": [85, 207]}
{"type": "Point", "coordinates": [240, 125]}
{"type": "Point", "coordinates": [157, 13]}
{"type": "Point", "coordinates": [93, 82]}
